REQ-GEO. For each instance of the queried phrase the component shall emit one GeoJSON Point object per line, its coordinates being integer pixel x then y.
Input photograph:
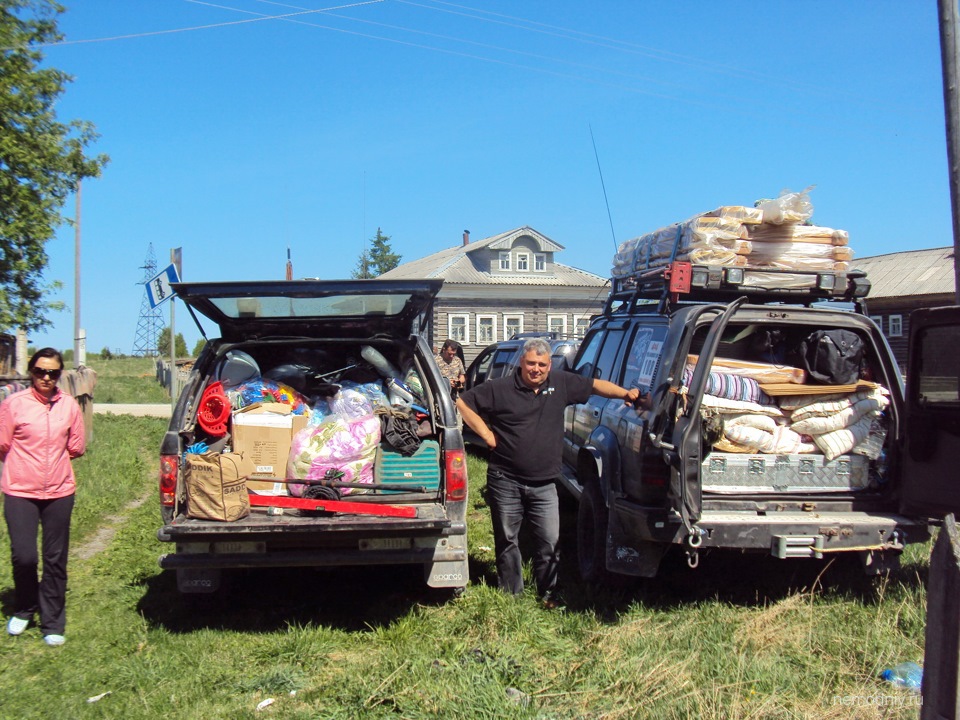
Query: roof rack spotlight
{"type": "Point", "coordinates": [861, 287]}
{"type": "Point", "coordinates": [826, 281]}
{"type": "Point", "coordinates": [699, 278]}
{"type": "Point", "coordinates": [733, 276]}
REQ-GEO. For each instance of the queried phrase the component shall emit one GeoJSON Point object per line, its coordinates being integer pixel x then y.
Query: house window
{"type": "Point", "coordinates": [878, 319]}
{"type": "Point", "coordinates": [896, 326]}
{"type": "Point", "coordinates": [458, 328]}
{"type": "Point", "coordinates": [557, 324]}
{"type": "Point", "coordinates": [504, 261]}
{"type": "Point", "coordinates": [539, 262]}
{"type": "Point", "coordinates": [523, 262]}
{"type": "Point", "coordinates": [486, 329]}
{"type": "Point", "coordinates": [512, 325]}
{"type": "Point", "coordinates": [580, 329]}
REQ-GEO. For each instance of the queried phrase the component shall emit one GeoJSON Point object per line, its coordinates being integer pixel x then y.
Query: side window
{"type": "Point", "coordinates": [643, 357]}
{"type": "Point", "coordinates": [501, 362]}
{"type": "Point", "coordinates": [940, 375]}
{"type": "Point", "coordinates": [606, 368]}
{"type": "Point", "coordinates": [588, 356]}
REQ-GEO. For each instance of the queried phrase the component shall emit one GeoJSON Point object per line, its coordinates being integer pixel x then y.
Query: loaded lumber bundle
{"type": "Point", "coordinates": [774, 234]}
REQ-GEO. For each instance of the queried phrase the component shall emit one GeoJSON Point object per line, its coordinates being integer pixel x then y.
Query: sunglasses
{"type": "Point", "coordinates": [41, 372]}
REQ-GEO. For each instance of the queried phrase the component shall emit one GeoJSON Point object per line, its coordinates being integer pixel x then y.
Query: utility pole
{"type": "Point", "coordinates": [950, 60]}
{"type": "Point", "coordinates": [79, 345]}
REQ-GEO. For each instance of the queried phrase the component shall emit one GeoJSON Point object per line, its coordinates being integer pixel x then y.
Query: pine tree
{"type": "Point", "coordinates": [378, 259]}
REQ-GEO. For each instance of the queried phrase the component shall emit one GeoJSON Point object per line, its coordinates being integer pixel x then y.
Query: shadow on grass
{"type": "Point", "coordinates": [265, 600]}
{"type": "Point", "coordinates": [729, 577]}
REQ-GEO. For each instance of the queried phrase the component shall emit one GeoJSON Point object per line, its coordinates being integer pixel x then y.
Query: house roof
{"type": "Point", "coordinates": [455, 265]}
{"type": "Point", "coordinates": [911, 272]}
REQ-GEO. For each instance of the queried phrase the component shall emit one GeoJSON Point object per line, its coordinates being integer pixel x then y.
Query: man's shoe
{"type": "Point", "coordinates": [16, 625]}
{"type": "Point", "coordinates": [552, 601]}
{"type": "Point", "coordinates": [54, 640]}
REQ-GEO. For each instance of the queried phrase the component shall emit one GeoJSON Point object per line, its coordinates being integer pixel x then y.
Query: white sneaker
{"type": "Point", "coordinates": [16, 625]}
{"type": "Point", "coordinates": [54, 640]}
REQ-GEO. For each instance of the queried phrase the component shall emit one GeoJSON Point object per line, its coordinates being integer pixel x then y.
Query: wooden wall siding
{"type": "Point", "coordinates": [536, 314]}
{"type": "Point", "coordinates": [902, 306]}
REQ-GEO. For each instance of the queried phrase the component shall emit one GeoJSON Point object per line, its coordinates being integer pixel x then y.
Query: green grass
{"type": "Point", "coordinates": [740, 637]}
{"type": "Point", "coordinates": [127, 380]}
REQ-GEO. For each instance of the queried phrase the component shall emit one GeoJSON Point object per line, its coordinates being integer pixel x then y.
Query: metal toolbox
{"type": "Point", "coordinates": [735, 472]}
{"type": "Point", "coordinates": [422, 469]}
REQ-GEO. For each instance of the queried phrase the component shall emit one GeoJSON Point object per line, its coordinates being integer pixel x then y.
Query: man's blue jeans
{"type": "Point", "coordinates": [511, 503]}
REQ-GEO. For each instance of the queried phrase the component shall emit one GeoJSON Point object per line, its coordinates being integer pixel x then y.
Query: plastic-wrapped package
{"type": "Point", "coordinates": [702, 239]}
{"type": "Point", "coordinates": [799, 233]}
{"type": "Point", "coordinates": [372, 391]}
{"type": "Point", "coordinates": [350, 405]}
{"type": "Point", "coordinates": [797, 256]}
{"type": "Point", "coordinates": [740, 213]}
{"type": "Point", "coordinates": [262, 390]}
{"type": "Point", "coordinates": [790, 207]}
{"type": "Point", "coordinates": [340, 445]}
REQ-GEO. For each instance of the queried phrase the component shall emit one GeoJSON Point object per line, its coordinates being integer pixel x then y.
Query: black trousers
{"type": "Point", "coordinates": [24, 517]}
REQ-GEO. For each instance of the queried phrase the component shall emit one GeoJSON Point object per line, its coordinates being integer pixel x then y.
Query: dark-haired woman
{"type": "Point", "coordinates": [41, 431]}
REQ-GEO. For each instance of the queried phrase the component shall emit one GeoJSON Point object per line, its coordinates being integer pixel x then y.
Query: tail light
{"type": "Point", "coordinates": [455, 462]}
{"type": "Point", "coordinates": [169, 465]}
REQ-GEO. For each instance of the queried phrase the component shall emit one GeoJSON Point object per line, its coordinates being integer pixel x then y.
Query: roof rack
{"type": "Point", "coordinates": [686, 282]}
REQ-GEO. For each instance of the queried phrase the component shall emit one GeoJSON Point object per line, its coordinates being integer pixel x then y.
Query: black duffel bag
{"type": "Point", "coordinates": [831, 357]}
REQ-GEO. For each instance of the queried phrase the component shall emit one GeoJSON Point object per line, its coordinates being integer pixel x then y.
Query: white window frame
{"type": "Point", "coordinates": [523, 262]}
{"type": "Point", "coordinates": [505, 260]}
{"type": "Point", "coordinates": [577, 321]}
{"type": "Point", "coordinates": [493, 330]}
{"type": "Point", "coordinates": [878, 320]}
{"type": "Point", "coordinates": [563, 330]}
{"type": "Point", "coordinates": [539, 262]}
{"type": "Point", "coordinates": [466, 327]}
{"type": "Point", "coordinates": [511, 317]}
{"type": "Point", "coordinates": [895, 323]}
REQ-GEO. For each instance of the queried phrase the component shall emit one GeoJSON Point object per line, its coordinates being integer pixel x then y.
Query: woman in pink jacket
{"type": "Point", "coordinates": [41, 431]}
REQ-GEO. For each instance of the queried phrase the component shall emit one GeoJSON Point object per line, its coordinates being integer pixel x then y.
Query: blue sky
{"type": "Point", "coordinates": [239, 128]}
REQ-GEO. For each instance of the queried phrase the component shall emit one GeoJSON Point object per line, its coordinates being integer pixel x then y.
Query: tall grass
{"type": "Point", "coordinates": [740, 637]}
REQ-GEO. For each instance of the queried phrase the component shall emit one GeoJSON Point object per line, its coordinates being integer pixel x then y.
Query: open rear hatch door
{"type": "Point", "coordinates": [931, 458]}
{"type": "Point", "coordinates": [246, 310]}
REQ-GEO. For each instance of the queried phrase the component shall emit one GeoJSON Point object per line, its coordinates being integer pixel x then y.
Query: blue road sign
{"type": "Point", "coordinates": [158, 287]}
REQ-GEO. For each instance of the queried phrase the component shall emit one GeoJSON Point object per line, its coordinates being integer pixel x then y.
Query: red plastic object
{"type": "Point", "coordinates": [214, 410]}
{"type": "Point", "coordinates": [336, 506]}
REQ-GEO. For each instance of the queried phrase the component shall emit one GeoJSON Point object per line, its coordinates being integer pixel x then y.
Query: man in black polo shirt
{"type": "Point", "coordinates": [520, 417]}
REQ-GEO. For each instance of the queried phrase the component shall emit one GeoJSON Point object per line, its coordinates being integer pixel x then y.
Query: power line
{"type": "Point", "coordinates": [194, 28]}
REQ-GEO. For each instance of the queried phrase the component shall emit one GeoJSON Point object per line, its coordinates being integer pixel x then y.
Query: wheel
{"type": "Point", "coordinates": [592, 535]}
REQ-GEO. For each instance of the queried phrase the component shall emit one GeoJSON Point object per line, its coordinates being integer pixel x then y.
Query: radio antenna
{"type": "Point", "coordinates": [602, 185]}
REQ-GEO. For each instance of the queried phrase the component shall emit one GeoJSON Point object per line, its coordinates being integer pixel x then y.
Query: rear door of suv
{"type": "Point", "coordinates": [932, 437]}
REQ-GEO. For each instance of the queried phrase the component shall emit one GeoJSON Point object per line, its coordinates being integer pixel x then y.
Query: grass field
{"type": "Point", "coordinates": [127, 380]}
{"type": "Point", "coordinates": [740, 637]}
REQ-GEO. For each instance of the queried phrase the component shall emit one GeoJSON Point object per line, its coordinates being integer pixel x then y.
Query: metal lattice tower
{"type": "Point", "coordinates": [150, 322]}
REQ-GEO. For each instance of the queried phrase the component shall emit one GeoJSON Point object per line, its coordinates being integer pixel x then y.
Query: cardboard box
{"type": "Point", "coordinates": [263, 432]}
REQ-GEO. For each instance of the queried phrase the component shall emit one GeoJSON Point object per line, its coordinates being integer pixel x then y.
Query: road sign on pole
{"type": "Point", "coordinates": [158, 287]}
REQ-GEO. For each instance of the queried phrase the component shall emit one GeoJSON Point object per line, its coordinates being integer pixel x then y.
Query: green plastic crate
{"type": "Point", "coordinates": [420, 469]}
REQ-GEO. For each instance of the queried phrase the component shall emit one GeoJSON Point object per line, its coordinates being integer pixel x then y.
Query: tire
{"type": "Point", "coordinates": [592, 536]}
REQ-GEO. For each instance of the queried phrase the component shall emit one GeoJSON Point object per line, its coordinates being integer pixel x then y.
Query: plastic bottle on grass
{"type": "Point", "coordinates": [906, 675]}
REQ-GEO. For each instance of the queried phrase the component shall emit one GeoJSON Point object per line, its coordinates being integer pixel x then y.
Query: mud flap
{"type": "Point", "coordinates": [629, 556]}
{"type": "Point", "coordinates": [198, 580]}
{"type": "Point", "coordinates": [451, 573]}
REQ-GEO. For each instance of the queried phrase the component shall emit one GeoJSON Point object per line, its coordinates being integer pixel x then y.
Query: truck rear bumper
{"type": "Point", "coordinates": [827, 531]}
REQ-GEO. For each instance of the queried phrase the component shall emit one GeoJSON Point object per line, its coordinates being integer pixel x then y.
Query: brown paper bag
{"type": "Point", "coordinates": [216, 486]}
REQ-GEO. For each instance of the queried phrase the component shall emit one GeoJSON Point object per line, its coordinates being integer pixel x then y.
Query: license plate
{"type": "Point", "coordinates": [239, 548]}
{"type": "Point", "coordinates": [386, 544]}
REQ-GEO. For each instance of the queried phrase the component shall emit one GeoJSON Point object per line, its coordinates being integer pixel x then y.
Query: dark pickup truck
{"type": "Point", "coordinates": [314, 337]}
{"type": "Point", "coordinates": [708, 473]}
